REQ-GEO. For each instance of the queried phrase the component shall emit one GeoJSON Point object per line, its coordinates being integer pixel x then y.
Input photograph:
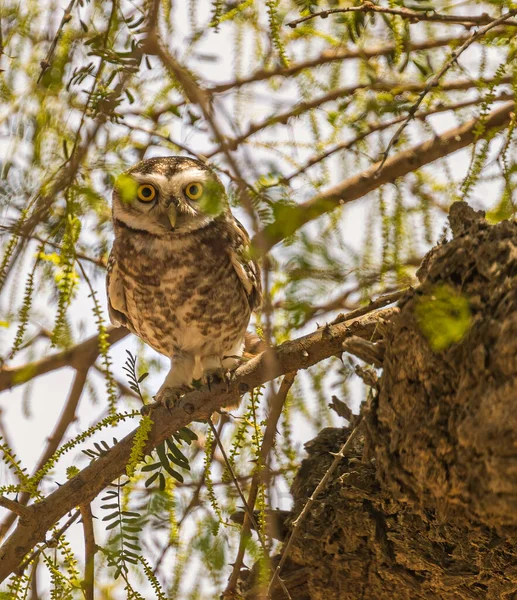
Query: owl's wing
{"type": "Point", "coordinates": [246, 268]}
{"type": "Point", "coordinates": [117, 307]}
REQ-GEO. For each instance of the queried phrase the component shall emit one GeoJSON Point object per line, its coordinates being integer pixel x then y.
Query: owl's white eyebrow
{"type": "Point", "coordinates": [174, 184]}
{"type": "Point", "coordinates": [189, 176]}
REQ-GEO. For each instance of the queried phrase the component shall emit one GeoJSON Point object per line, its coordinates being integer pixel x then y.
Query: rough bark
{"type": "Point", "coordinates": [426, 504]}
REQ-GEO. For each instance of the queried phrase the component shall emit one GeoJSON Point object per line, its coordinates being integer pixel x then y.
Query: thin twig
{"type": "Point", "coordinates": [434, 81]}
{"type": "Point", "coordinates": [66, 18]}
{"type": "Point", "coordinates": [413, 16]}
{"type": "Point", "coordinates": [89, 551]}
{"type": "Point", "coordinates": [66, 418]}
{"type": "Point", "coordinates": [420, 115]}
{"type": "Point", "coordinates": [380, 302]}
{"type": "Point", "coordinates": [276, 407]}
{"type": "Point", "coordinates": [345, 92]}
{"type": "Point", "coordinates": [338, 457]}
{"type": "Point", "coordinates": [292, 218]}
{"type": "Point", "coordinates": [339, 53]}
{"type": "Point", "coordinates": [99, 262]}
{"type": "Point", "coordinates": [248, 510]}
{"type": "Point", "coordinates": [73, 357]}
{"type": "Point", "coordinates": [49, 543]}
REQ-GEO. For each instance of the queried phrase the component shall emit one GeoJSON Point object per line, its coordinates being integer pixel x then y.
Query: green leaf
{"type": "Point", "coordinates": [151, 467]}
{"type": "Point", "coordinates": [179, 463]}
{"type": "Point", "coordinates": [177, 453]}
{"type": "Point", "coordinates": [173, 473]}
{"type": "Point", "coordinates": [162, 455]}
{"type": "Point", "coordinates": [152, 479]}
{"type": "Point", "coordinates": [111, 516]}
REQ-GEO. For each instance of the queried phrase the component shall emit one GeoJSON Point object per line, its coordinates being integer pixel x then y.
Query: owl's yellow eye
{"type": "Point", "coordinates": [146, 192]}
{"type": "Point", "coordinates": [194, 190]}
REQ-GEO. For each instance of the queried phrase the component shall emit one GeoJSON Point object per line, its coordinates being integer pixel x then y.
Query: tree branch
{"type": "Point", "coordinates": [66, 417]}
{"type": "Point", "coordinates": [15, 507]}
{"type": "Point", "coordinates": [338, 457]}
{"type": "Point", "coordinates": [74, 357]}
{"type": "Point", "coordinates": [345, 92]}
{"type": "Point", "coordinates": [413, 16]}
{"type": "Point", "coordinates": [198, 404]}
{"type": "Point", "coordinates": [435, 80]}
{"type": "Point", "coordinates": [291, 218]}
{"type": "Point", "coordinates": [420, 115]}
{"type": "Point", "coordinates": [89, 551]}
{"type": "Point", "coordinates": [268, 441]}
{"type": "Point", "coordinates": [332, 55]}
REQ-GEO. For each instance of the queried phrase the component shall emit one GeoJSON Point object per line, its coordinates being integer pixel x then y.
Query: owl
{"type": "Point", "coordinates": [180, 275]}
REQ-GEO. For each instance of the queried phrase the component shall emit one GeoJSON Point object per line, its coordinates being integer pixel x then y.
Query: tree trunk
{"type": "Point", "coordinates": [425, 505]}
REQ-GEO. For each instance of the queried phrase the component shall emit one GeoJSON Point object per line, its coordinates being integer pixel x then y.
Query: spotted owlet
{"type": "Point", "coordinates": [179, 275]}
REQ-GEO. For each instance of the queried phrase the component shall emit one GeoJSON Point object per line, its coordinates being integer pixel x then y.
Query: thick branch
{"type": "Point", "coordinates": [74, 357]}
{"type": "Point", "coordinates": [292, 218]}
{"type": "Point", "coordinates": [15, 507]}
{"type": "Point", "coordinates": [198, 404]}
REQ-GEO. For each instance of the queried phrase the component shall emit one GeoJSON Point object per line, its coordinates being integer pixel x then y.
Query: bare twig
{"type": "Point", "coordinates": [413, 16]}
{"type": "Point", "coordinates": [338, 457]}
{"type": "Point", "coordinates": [66, 18]}
{"type": "Point", "coordinates": [99, 262]}
{"type": "Point", "coordinates": [51, 542]}
{"type": "Point", "coordinates": [66, 418]}
{"type": "Point", "coordinates": [347, 91]}
{"type": "Point", "coordinates": [328, 56]}
{"type": "Point", "coordinates": [435, 80]}
{"type": "Point", "coordinates": [420, 115]}
{"type": "Point", "coordinates": [380, 302]}
{"type": "Point", "coordinates": [89, 551]}
{"type": "Point", "coordinates": [276, 406]}
{"type": "Point", "coordinates": [247, 508]}
{"type": "Point", "coordinates": [15, 507]}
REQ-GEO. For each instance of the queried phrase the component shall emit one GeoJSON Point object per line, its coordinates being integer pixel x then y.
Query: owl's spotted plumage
{"type": "Point", "coordinates": [179, 274]}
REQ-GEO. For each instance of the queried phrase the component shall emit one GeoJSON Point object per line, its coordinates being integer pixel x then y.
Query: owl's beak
{"type": "Point", "coordinates": [169, 217]}
{"type": "Point", "coordinates": [172, 214]}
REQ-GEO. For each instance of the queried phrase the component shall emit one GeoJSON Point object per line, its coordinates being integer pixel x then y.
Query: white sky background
{"type": "Point", "coordinates": [28, 432]}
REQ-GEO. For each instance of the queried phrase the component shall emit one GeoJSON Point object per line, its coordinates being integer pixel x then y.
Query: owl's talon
{"type": "Point", "coordinates": [219, 376]}
{"type": "Point", "coordinates": [167, 397]}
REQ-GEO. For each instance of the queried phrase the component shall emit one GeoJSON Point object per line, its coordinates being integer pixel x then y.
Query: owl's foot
{"type": "Point", "coordinates": [219, 375]}
{"type": "Point", "coordinates": [167, 397]}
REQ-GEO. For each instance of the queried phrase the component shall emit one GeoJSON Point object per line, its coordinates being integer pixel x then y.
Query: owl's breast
{"type": "Point", "coordinates": [189, 303]}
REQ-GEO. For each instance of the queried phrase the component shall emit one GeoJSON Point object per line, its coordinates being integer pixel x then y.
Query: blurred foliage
{"type": "Point", "coordinates": [443, 316]}
{"type": "Point", "coordinates": [302, 109]}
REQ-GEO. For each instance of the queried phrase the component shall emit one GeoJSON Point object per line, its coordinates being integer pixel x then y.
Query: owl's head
{"type": "Point", "coordinates": [168, 195]}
